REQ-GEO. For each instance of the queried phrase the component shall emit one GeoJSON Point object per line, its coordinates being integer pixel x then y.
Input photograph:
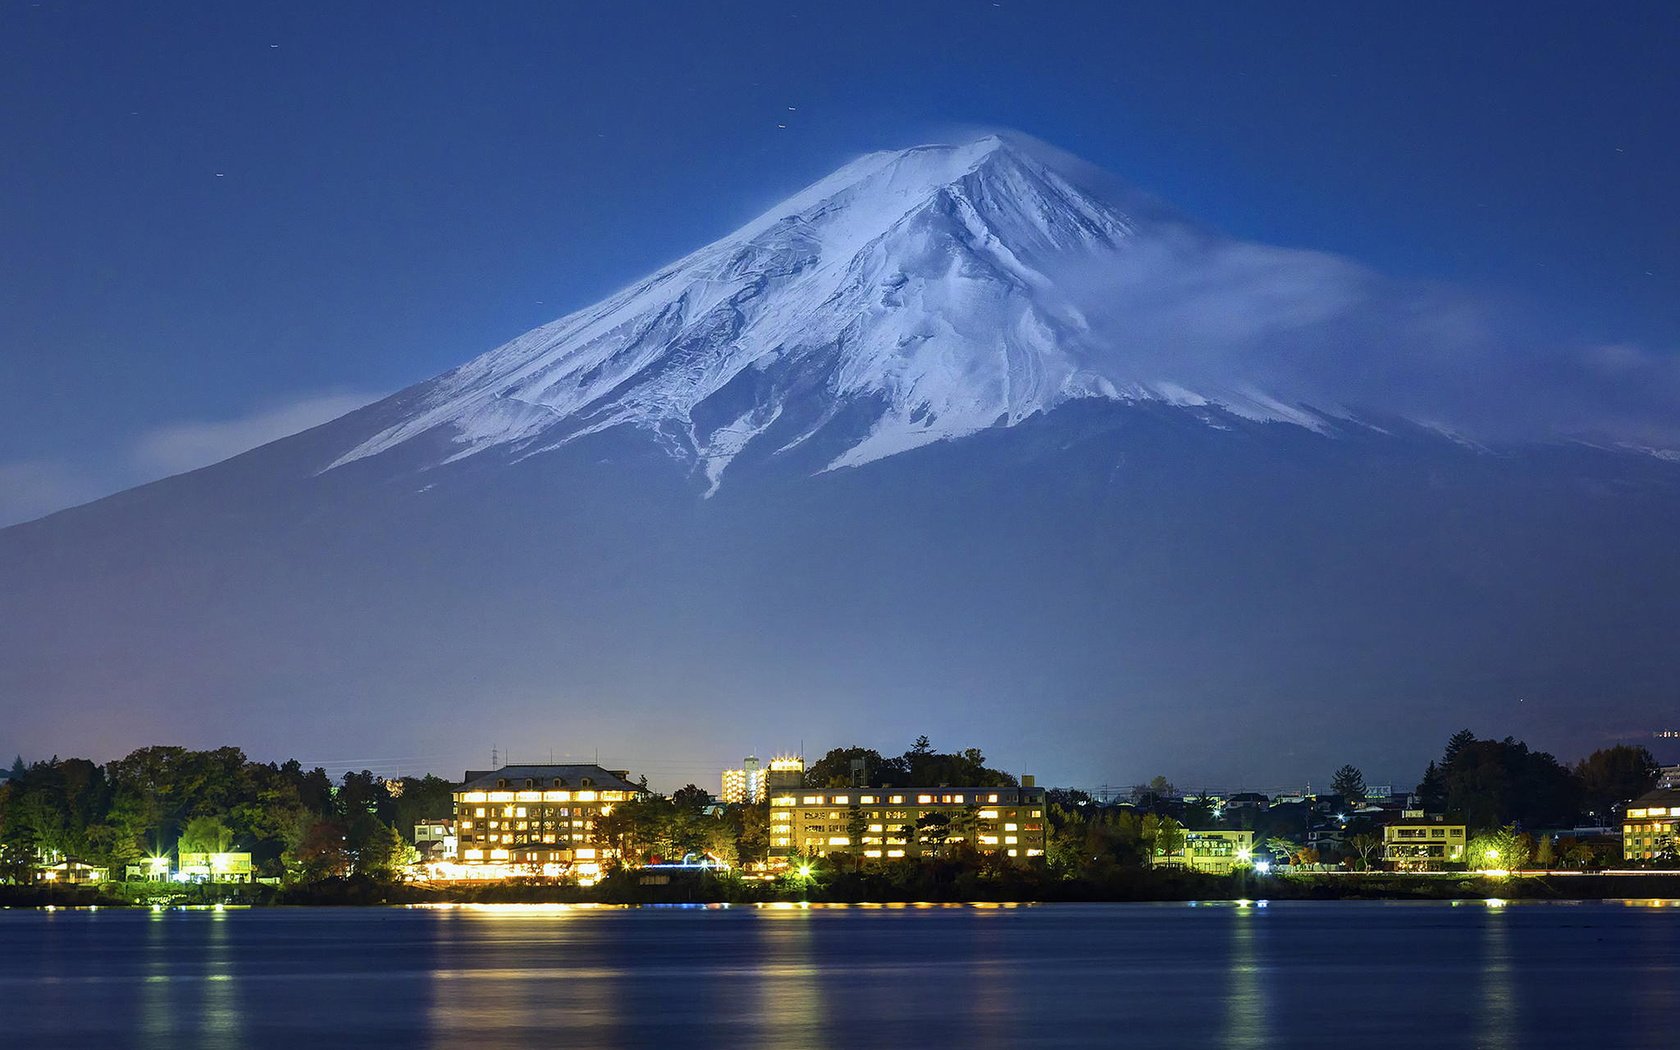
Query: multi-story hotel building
{"type": "Point", "coordinates": [905, 823]}
{"type": "Point", "coordinates": [753, 781]}
{"type": "Point", "coordinates": [1423, 842]}
{"type": "Point", "coordinates": [536, 820]}
{"type": "Point", "coordinates": [1651, 826]}
{"type": "Point", "coordinates": [1213, 852]}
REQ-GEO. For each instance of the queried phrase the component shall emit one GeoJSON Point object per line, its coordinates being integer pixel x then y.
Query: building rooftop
{"type": "Point", "coordinates": [1659, 798]}
{"type": "Point", "coordinates": [561, 776]}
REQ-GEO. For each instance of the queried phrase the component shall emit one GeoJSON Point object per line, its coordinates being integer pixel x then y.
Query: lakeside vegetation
{"type": "Point", "coordinates": [315, 840]}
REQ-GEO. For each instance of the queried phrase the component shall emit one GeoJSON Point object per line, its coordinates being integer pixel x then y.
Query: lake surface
{"type": "Point", "coordinates": [1288, 974]}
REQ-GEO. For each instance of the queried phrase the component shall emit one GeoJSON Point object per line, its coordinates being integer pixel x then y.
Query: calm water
{"type": "Point", "coordinates": [1289, 974]}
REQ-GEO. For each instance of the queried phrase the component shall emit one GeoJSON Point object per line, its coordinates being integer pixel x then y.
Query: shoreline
{"type": "Point", "coordinates": [1143, 887]}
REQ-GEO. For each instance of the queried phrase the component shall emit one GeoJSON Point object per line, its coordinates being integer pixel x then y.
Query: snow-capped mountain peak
{"type": "Point", "coordinates": [911, 286]}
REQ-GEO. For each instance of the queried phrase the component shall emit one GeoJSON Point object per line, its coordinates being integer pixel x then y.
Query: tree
{"type": "Point", "coordinates": [1162, 834]}
{"type": "Point", "coordinates": [1612, 776]}
{"type": "Point", "coordinates": [691, 798]}
{"type": "Point", "coordinates": [1493, 783]}
{"type": "Point", "coordinates": [1545, 855]}
{"type": "Point", "coordinates": [1365, 846]}
{"type": "Point", "coordinates": [205, 835]}
{"type": "Point", "coordinates": [1432, 790]}
{"type": "Point", "coordinates": [932, 830]}
{"type": "Point", "coordinates": [1505, 848]}
{"type": "Point", "coordinates": [322, 853]}
{"type": "Point", "coordinates": [1349, 783]}
{"type": "Point", "coordinates": [1455, 744]}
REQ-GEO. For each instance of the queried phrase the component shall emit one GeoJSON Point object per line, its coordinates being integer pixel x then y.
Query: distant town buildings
{"type": "Point", "coordinates": [753, 782]}
{"type": "Point", "coordinates": [537, 820]}
{"type": "Point", "coordinates": [907, 822]}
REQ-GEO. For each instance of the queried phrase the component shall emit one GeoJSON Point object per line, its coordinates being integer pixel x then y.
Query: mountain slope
{"type": "Point", "coordinates": [907, 293]}
{"type": "Point", "coordinates": [943, 499]}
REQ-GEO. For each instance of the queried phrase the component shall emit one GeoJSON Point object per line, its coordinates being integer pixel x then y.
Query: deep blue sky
{"type": "Point", "coordinates": [215, 213]}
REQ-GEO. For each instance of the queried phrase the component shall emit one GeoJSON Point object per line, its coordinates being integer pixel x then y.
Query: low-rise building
{"type": "Point", "coordinates": [1215, 852]}
{"type": "Point", "coordinates": [435, 840]}
{"type": "Point", "coordinates": [537, 820]}
{"type": "Point", "coordinates": [1420, 841]}
{"type": "Point", "coordinates": [71, 872]}
{"type": "Point", "coordinates": [213, 867]}
{"type": "Point", "coordinates": [1651, 826]}
{"type": "Point", "coordinates": [906, 823]}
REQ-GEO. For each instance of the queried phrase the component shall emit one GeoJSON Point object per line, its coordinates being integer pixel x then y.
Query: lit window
{"type": "Point", "coordinates": [585, 854]}
{"type": "Point", "coordinates": [479, 812]}
{"type": "Point", "coordinates": [811, 800]}
{"type": "Point", "coordinates": [842, 800]}
{"type": "Point", "coordinates": [988, 814]}
{"type": "Point", "coordinates": [876, 827]}
{"type": "Point", "coordinates": [472, 854]}
{"type": "Point", "coordinates": [585, 796]}
{"type": "Point", "coordinates": [501, 796]}
{"type": "Point", "coordinates": [895, 853]}
{"type": "Point", "coordinates": [557, 796]}
{"type": "Point", "coordinates": [612, 796]}
{"type": "Point", "coordinates": [871, 853]}
{"type": "Point", "coordinates": [1010, 840]}
{"type": "Point", "coordinates": [498, 854]}
{"type": "Point", "coordinates": [1012, 853]}
{"type": "Point", "coordinates": [867, 800]}
{"type": "Point", "coordinates": [992, 799]}
{"type": "Point", "coordinates": [924, 800]}
{"type": "Point", "coordinates": [528, 796]}
{"type": "Point", "coordinates": [1010, 827]}
{"type": "Point", "coordinates": [988, 840]}
{"type": "Point", "coordinates": [897, 800]}
{"type": "Point", "coordinates": [839, 840]}
{"type": "Point", "coordinates": [474, 796]}
{"type": "Point", "coordinates": [782, 800]}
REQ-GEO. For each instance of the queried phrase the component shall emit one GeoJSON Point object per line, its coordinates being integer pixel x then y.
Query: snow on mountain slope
{"type": "Point", "coordinates": [911, 284]}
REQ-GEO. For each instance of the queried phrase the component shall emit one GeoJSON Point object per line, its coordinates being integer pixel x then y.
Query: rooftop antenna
{"type": "Point", "coordinates": [493, 763]}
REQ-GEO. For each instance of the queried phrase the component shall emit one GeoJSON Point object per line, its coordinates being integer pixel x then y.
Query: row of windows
{"type": "Point", "coordinates": [923, 799]}
{"type": "Point", "coordinates": [533, 811]}
{"type": "Point", "coordinates": [475, 797]}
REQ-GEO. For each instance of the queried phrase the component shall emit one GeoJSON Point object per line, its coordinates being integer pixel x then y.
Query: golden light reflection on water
{"type": "Point", "coordinates": [1245, 1002]}
{"type": "Point", "coordinates": [1496, 1022]}
{"type": "Point", "coordinates": [221, 1023]}
{"type": "Point", "coordinates": [789, 989]}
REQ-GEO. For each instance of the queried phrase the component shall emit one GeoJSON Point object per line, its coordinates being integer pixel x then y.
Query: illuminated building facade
{"type": "Point", "coordinates": [213, 867]}
{"type": "Point", "coordinates": [1651, 826]}
{"type": "Point", "coordinates": [536, 820]}
{"type": "Point", "coordinates": [1423, 842]}
{"type": "Point", "coordinates": [906, 823]}
{"type": "Point", "coordinates": [745, 784]}
{"type": "Point", "coordinates": [753, 782]}
{"type": "Point", "coordinates": [1212, 852]}
{"type": "Point", "coordinates": [435, 839]}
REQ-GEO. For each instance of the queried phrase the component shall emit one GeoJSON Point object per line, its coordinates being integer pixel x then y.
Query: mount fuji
{"type": "Point", "coordinates": [916, 450]}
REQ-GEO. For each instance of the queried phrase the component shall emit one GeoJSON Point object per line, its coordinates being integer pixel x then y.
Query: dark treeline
{"type": "Point", "coordinates": [294, 822]}
{"type": "Point", "coordinates": [920, 766]}
{"type": "Point", "coordinates": [302, 826]}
